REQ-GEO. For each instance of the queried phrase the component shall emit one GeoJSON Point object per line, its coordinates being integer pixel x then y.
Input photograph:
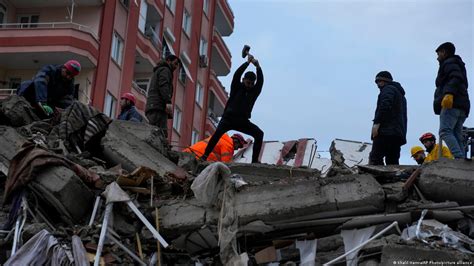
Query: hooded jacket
{"type": "Point", "coordinates": [452, 79]}
{"type": "Point", "coordinates": [241, 100]}
{"type": "Point", "coordinates": [49, 87]}
{"type": "Point", "coordinates": [391, 112]}
{"type": "Point", "coordinates": [161, 87]}
{"type": "Point", "coordinates": [223, 151]}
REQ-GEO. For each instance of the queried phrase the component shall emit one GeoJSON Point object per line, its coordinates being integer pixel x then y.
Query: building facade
{"type": "Point", "coordinates": [118, 42]}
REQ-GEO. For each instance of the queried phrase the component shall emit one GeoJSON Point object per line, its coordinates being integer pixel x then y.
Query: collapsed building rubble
{"type": "Point", "coordinates": [293, 208]}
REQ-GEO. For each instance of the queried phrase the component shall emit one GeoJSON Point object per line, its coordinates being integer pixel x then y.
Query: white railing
{"type": "Point", "coordinates": [7, 91]}
{"type": "Point", "coordinates": [50, 25]}
{"type": "Point", "coordinates": [154, 38]}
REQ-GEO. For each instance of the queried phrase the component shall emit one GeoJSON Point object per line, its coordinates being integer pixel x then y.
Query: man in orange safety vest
{"type": "Point", "coordinates": [223, 151]}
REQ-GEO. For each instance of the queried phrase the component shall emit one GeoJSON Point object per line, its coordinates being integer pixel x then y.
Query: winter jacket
{"type": "Point", "coordinates": [161, 88]}
{"type": "Point", "coordinates": [49, 87]}
{"type": "Point", "coordinates": [223, 151]}
{"type": "Point", "coordinates": [433, 155]}
{"type": "Point", "coordinates": [391, 112]}
{"type": "Point", "coordinates": [241, 99]}
{"type": "Point", "coordinates": [130, 114]}
{"type": "Point", "coordinates": [452, 79]}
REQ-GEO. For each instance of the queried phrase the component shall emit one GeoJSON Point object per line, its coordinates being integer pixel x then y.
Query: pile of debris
{"type": "Point", "coordinates": [80, 189]}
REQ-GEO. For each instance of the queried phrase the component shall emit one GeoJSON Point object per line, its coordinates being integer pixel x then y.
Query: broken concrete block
{"type": "Point", "coordinates": [126, 143]}
{"type": "Point", "coordinates": [265, 173]}
{"type": "Point", "coordinates": [446, 179]}
{"type": "Point", "coordinates": [65, 193]}
{"type": "Point", "coordinates": [394, 254]}
{"type": "Point", "coordinates": [10, 141]}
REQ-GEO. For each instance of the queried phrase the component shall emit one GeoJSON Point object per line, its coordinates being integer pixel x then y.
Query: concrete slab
{"type": "Point", "coordinates": [282, 201]}
{"type": "Point", "coordinates": [65, 193]}
{"type": "Point", "coordinates": [446, 179]}
{"type": "Point", "coordinates": [126, 143]}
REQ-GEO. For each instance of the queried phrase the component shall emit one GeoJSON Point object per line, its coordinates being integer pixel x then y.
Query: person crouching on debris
{"type": "Point", "coordinates": [239, 107]}
{"type": "Point", "coordinates": [418, 154]}
{"type": "Point", "coordinates": [429, 141]}
{"type": "Point", "coordinates": [222, 152]}
{"type": "Point", "coordinates": [390, 121]}
{"type": "Point", "coordinates": [128, 111]}
{"type": "Point", "coordinates": [52, 87]}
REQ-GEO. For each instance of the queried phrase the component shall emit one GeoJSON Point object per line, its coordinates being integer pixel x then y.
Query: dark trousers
{"type": "Point", "coordinates": [387, 147]}
{"type": "Point", "coordinates": [241, 125]}
{"type": "Point", "coordinates": [159, 119]}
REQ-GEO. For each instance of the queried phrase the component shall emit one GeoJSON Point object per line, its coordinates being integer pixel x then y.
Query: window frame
{"type": "Point", "coordinates": [187, 21]}
{"type": "Point", "coordinates": [199, 95]}
{"type": "Point", "coordinates": [177, 117]}
{"type": "Point", "coordinates": [117, 47]}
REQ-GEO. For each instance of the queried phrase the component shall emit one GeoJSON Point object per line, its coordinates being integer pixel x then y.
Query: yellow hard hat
{"type": "Point", "coordinates": [415, 150]}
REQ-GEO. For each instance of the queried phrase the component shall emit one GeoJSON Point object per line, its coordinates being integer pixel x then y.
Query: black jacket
{"type": "Point", "coordinates": [161, 88]}
{"type": "Point", "coordinates": [452, 79]}
{"type": "Point", "coordinates": [241, 99]}
{"type": "Point", "coordinates": [391, 112]}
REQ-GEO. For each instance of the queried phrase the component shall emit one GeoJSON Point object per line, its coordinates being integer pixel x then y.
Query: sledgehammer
{"type": "Point", "coordinates": [245, 51]}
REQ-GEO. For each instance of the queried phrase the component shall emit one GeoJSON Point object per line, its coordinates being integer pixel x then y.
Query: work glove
{"type": "Point", "coordinates": [447, 102]}
{"type": "Point", "coordinates": [47, 109]}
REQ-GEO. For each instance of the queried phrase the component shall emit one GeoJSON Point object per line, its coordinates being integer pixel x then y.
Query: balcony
{"type": "Point", "coordinates": [52, 43]}
{"type": "Point", "coordinates": [149, 44]}
{"type": "Point", "coordinates": [218, 89]}
{"type": "Point", "coordinates": [224, 18]}
{"type": "Point", "coordinates": [221, 57]}
{"type": "Point", "coordinates": [55, 3]}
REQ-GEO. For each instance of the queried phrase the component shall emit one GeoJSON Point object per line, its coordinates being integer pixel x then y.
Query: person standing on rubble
{"type": "Point", "coordinates": [128, 111]}
{"type": "Point", "coordinates": [429, 141]}
{"type": "Point", "coordinates": [52, 87]}
{"type": "Point", "coordinates": [239, 107]}
{"type": "Point", "coordinates": [390, 121]}
{"type": "Point", "coordinates": [222, 152]}
{"type": "Point", "coordinates": [451, 99]}
{"type": "Point", "coordinates": [158, 105]}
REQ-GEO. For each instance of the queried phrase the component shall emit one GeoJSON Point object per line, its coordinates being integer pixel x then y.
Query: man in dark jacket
{"type": "Point", "coordinates": [53, 86]}
{"type": "Point", "coordinates": [239, 107]}
{"type": "Point", "coordinates": [390, 121]}
{"type": "Point", "coordinates": [128, 111]}
{"type": "Point", "coordinates": [158, 105]}
{"type": "Point", "coordinates": [451, 99]}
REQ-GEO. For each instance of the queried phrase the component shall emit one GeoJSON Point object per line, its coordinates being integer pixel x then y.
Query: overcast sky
{"type": "Point", "coordinates": [320, 59]}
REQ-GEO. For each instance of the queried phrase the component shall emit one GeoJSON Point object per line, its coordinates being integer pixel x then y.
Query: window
{"type": "Point", "coordinates": [3, 13]}
{"type": "Point", "coordinates": [28, 21]}
{"type": "Point", "coordinates": [187, 23]}
{"type": "Point", "coordinates": [182, 76]}
{"type": "Point", "coordinates": [205, 6]}
{"type": "Point", "coordinates": [126, 3]}
{"type": "Point", "coordinates": [142, 84]}
{"type": "Point", "coordinates": [199, 94]}
{"type": "Point", "coordinates": [142, 16]}
{"type": "Point", "coordinates": [194, 136]}
{"type": "Point", "coordinates": [203, 47]}
{"type": "Point", "coordinates": [14, 83]}
{"type": "Point", "coordinates": [110, 105]}
{"type": "Point", "coordinates": [166, 50]}
{"type": "Point", "coordinates": [177, 119]}
{"type": "Point", "coordinates": [171, 4]}
{"type": "Point", "coordinates": [117, 48]}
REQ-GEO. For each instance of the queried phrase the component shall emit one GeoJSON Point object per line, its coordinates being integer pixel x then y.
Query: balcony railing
{"type": "Point", "coordinates": [50, 25]}
{"type": "Point", "coordinates": [154, 38]}
{"type": "Point", "coordinates": [7, 92]}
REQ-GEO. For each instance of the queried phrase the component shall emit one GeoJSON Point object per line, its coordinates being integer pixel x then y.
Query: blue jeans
{"type": "Point", "coordinates": [450, 130]}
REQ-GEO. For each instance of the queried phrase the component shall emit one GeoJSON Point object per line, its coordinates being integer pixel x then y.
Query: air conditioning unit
{"type": "Point", "coordinates": [203, 61]}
